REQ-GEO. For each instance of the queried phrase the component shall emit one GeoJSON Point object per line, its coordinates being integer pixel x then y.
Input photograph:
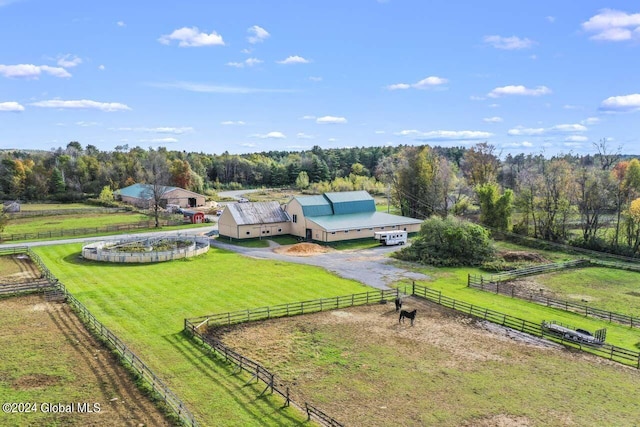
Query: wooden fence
{"type": "Point", "coordinates": [76, 211]}
{"type": "Point", "coordinates": [617, 354]}
{"type": "Point", "coordinates": [128, 358]}
{"type": "Point", "coordinates": [496, 284]}
{"type": "Point", "coordinates": [193, 327]}
{"type": "Point", "coordinates": [87, 230]}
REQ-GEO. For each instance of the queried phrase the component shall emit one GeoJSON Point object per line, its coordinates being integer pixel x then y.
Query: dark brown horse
{"type": "Point", "coordinates": [411, 315]}
{"type": "Point", "coordinates": [398, 304]}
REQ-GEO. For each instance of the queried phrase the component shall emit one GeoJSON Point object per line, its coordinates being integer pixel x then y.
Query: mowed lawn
{"type": "Point", "coordinates": [145, 305]}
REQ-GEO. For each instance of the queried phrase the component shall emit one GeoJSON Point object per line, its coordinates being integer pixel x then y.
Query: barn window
{"type": "Point", "coordinates": [405, 229]}
{"type": "Point", "coordinates": [248, 233]}
{"type": "Point", "coordinates": [358, 230]}
{"type": "Point", "coordinates": [295, 218]}
{"type": "Point", "coordinates": [280, 230]}
{"type": "Point", "coordinates": [267, 231]}
{"type": "Point", "coordinates": [333, 232]}
{"type": "Point", "coordinates": [346, 231]}
{"type": "Point", "coordinates": [381, 228]}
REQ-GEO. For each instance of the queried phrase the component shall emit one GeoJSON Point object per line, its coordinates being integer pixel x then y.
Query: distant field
{"type": "Point", "coordinates": [54, 206]}
{"type": "Point", "coordinates": [69, 222]}
{"type": "Point", "coordinates": [146, 304]}
{"type": "Point", "coordinates": [363, 368]}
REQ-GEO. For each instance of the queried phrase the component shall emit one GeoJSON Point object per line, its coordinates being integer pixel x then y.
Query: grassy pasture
{"type": "Point", "coordinates": [145, 306]}
{"type": "Point", "coordinates": [53, 206]}
{"type": "Point", "coordinates": [605, 288]}
{"type": "Point", "coordinates": [365, 369]}
{"type": "Point", "coordinates": [70, 222]}
{"type": "Point", "coordinates": [452, 282]}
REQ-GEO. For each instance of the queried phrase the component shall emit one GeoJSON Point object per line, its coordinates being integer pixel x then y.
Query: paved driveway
{"type": "Point", "coordinates": [369, 266]}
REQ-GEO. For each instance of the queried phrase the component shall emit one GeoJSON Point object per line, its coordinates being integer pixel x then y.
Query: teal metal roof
{"type": "Point", "coordinates": [315, 205]}
{"type": "Point", "coordinates": [361, 220]}
{"type": "Point", "coordinates": [350, 202]}
{"type": "Point", "coordinates": [141, 191]}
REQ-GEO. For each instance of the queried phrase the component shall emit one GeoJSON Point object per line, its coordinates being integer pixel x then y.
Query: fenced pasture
{"type": "Point", "coordinates": [63, 225]}
{"type": "Point", "coordinates": [363, 368]}
{"type": "Point", "coordinates": [82, 370]}
{"type": "Point", "coordinates": [144, 305]}
{"type": "Point", "coordinates": [18, 274]}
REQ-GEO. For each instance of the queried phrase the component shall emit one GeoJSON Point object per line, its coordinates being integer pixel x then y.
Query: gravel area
{"type": "Point", "coordinates": [371, 267]}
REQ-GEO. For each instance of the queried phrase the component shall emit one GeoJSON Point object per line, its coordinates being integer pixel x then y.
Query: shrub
{"type": "Point", "coordinates": [449, 242]}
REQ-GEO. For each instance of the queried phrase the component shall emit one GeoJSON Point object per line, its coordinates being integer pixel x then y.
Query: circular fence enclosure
{"type": "Point", "coordinates": [148, 249]}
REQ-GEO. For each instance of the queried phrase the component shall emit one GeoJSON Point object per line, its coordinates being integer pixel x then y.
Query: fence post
{"type": "Point", "coordinates": [306, 407]}
{"type": "Point", "coordinates": [468, 279]}
{"type": "Point", "coordinates": [413, 287]}
{"type": "Point", "coordinates": [286, 403]}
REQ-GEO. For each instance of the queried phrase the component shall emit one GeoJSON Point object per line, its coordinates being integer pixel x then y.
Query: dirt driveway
{"type": "Point", "coordinates": [371, 267]}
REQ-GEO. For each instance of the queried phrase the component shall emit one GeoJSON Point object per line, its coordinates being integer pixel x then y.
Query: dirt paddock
{"type": "Point", "coordinates": [364, 368]}
{"type": "Point", "coordinates": [48, 357]}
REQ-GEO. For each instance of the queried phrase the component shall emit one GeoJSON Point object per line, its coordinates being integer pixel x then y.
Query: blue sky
{"type": "Point", "coordinates": [245, 76]}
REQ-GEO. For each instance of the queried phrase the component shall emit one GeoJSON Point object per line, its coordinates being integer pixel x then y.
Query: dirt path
{"type": "Point", "coordinates": [61, 362]}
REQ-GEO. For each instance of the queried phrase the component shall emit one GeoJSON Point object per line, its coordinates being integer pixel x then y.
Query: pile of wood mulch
{"type": "Point", "coordinates": [302, 249]}
{"type": "Point", "coordinates": [514, 256]}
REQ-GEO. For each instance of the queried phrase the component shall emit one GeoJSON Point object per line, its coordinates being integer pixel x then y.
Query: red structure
{"type": "Point", "coordinates": [193, 217]}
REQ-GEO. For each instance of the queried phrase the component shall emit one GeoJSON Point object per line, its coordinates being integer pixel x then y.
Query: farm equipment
{"type": "Point", "coordinates": [567, 332]}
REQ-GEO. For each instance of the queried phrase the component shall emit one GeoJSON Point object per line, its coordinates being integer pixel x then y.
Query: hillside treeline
{"type": "Point", "coordinates": [588, 200]}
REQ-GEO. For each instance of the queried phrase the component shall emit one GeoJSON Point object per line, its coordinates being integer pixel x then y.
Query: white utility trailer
{"type": "Point", "coordinates": [389, 238]}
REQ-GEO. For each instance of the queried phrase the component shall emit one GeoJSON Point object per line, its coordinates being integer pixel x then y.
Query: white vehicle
{"type": "Point", "coordinates": [389, 238]}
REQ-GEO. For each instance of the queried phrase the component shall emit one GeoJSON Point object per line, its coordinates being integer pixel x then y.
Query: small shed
{"type": "Point", "coordinates": [194, 217]}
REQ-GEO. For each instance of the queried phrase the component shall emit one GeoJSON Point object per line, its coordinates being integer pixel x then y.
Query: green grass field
{"type": "Point", "coordinates": [69, 222]}
{"type": "Point", "coordinates": [260, 243]}
{"type": "Point", "coordinates": [53, 206]}
{"type": "Point", "coordinates": [145, 305]}
{"type": "Point", "coordinates": [452, 282]}
{"type": "Point", "coordinates": [605, 288]}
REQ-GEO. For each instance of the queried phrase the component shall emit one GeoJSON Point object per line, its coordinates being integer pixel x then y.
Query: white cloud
{"type": "Point", "coordinates": [426, 83]}
{"type": "Point", "coordinates": [518, 90]}
{"type": "Point", "coordinates": [379, 132]}
{"type": "Point", "coordinates": [209, 88]}
{"type": "Point", "coordinates": [257, 34]}
{"type": "Point", "coordinates": [11, 106]}
{"type": "Point", "coordinates": [397, 86]}
{"type": "Point", "coordinates": [247, 51]}
{"type": "Point", "coordinates": [270, 135]}
{"type": "Point", "coordinates": [508, 43]}
{"type": "Point", "coordinates": [69, 61]}
{"type": "Point", "coordinates": [121, 24]}
{"type": "Point", "coordinates": [445, 135]}
{"type": "Point", "coordinates": [164, 129]}
{"type": "Point", "coordinates": [550, 19]}
{"type": "Point", "coordinates": [613, 25]}
{"type": "Point", "coordinates": [332, 140]}
{"type": "Point", "coordinates": [621, 104]}
{"type": "Point", "coordinates": [87, 124]}
{"type": "Point", "coordinates": [562, 128]}
{"type": "Point", "coordinates": [576, 138]}
{"type": "Point", "coordinates": [82, 104]}
{"type": "Point", "coordinates": [590, 121]}
{"type": "Point", "coordinates": [308, 117]}
{"type": "Point", "coordinates": [101, 67]}
{"type": "Point", "coordinates": [232, 123]}
{"type": "Point", "coordinates": [517, 144]}
{"type": "Point", "coordinates": [295, 59]}
{"type": "Point", "coordinates": [30, 71]}
{"type": "Point", "coordinates": [160, 140]}
{"type": "Point", "coordinates": [315, 79]}
{"type": "Point", "coordinates": [477, 98]}
{"type": "Point", "coordinates": [572, 107]}
{"type": "Point", "coordinates": [494, 119]}
{"type": "Point", "coordinates": [494, 105]}
{"type": "Point", "coordinates": [192, 37]}
{"type": "Point", "coordinates": [302, 135]}
{"type": "Point", "coordinates": [331, 120]}
{"type": "Point", "coordinates": [249, 62]}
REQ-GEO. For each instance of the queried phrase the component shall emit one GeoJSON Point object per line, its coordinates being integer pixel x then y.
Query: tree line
{"type": "Point", "coordinates": [589, 200]}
